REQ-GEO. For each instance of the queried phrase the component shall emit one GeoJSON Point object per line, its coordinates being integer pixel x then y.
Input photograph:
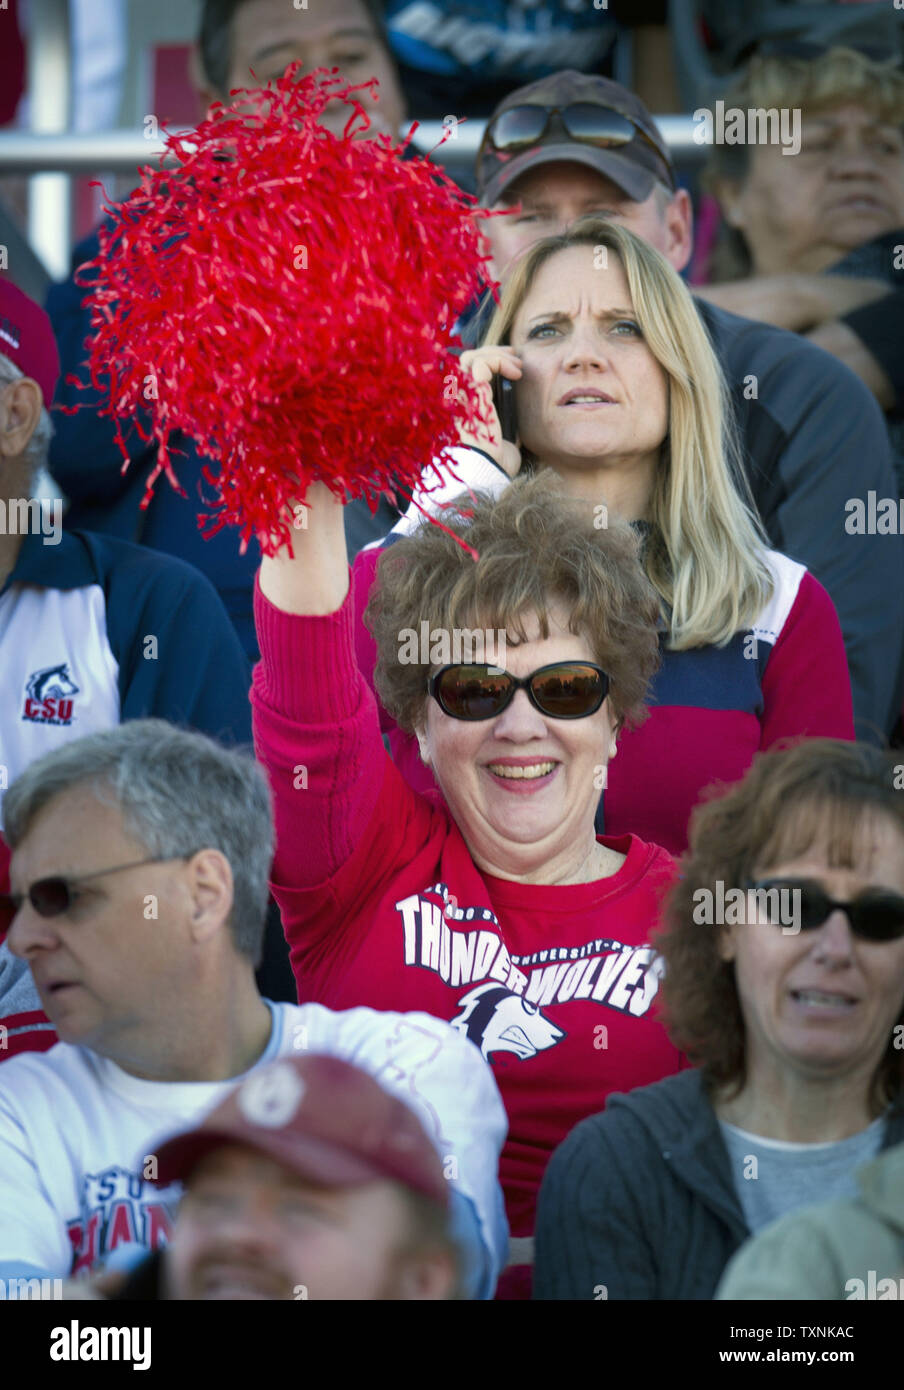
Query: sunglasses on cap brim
{"type": "Point", "coordinates": [586, 122]}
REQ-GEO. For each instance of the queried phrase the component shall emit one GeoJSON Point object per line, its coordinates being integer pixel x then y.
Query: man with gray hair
{"type": "Point", "coordinates": [93, 630]}
{"type": "Point", "coordinates": [139, 874]}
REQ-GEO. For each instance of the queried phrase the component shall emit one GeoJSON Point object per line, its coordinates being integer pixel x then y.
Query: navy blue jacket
{"type": "Point", "coordinates": [95, 631]}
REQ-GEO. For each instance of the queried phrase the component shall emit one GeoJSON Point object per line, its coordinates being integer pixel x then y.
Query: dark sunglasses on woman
{"type": "Point", "coordinates": [875, 915]}
{"type": "Point", "coordinates": [51, 897]}
{"type": "Point", "coordinates": [562, 690]}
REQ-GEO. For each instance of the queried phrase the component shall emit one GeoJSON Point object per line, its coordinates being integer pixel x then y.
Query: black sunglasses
{"type": "Point", "coordinates": [51, 897]}
{"type": "Point", "coordinates": [585, 121]}
{"type": "Point", "coordinates": [563, 690]}
{"type": "Point", "coordinates": [875, 915]}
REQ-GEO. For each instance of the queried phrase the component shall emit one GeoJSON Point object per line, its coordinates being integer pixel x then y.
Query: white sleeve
{"type": "Point", "coordinates": [456, 470]}
{"type": "Point", "coordinates": [32, 1230]}
{"type": "Point", "coordinates": [442, 1076]}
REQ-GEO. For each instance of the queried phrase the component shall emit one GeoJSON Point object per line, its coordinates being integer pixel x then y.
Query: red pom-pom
{"type": "Point", "coordinates": [287, 299]}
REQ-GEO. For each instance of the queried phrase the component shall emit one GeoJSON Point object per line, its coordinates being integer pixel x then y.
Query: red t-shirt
{"type": "Point", "coordinates": [383, 905]}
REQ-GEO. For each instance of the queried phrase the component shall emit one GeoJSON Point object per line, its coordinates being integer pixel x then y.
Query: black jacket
{"type": "Point", "coordinates": [639, 1200]}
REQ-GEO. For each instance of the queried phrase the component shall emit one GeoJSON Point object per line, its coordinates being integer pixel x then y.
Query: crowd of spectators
{"type": "Point", "coordinates": [571, 967]}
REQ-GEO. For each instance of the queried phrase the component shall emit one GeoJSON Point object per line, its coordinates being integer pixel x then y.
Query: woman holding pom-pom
{"type": "Point", "coordinates": [310, 377]}
{"type": "Point", "coordinates": [496, 907]}
{"type": "Point", "coordinates": [307, 353]}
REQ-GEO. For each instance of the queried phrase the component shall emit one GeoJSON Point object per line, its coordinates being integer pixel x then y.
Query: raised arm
{"type": "Point", "coordinates": [313, 580]}
{"type": "Point", "coordinates": [345, 821]}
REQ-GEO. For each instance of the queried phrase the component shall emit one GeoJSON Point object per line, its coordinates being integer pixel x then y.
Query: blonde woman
{"type": "Point", "coordinates": [617, 389]}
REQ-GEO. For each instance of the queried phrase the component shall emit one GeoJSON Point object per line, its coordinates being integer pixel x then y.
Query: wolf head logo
{"type": "Point", "coordinates": [498, 1020]}
{"type": "Point", "coordinates": [54, 682]}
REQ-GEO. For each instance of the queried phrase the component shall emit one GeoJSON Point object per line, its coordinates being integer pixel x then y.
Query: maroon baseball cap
{"type": "Point", "coordinates": [324, 1120]}
{"type": "Point", "coordinates": [634, 166]}
{"type": "Point", "coordinates": [26, 338]}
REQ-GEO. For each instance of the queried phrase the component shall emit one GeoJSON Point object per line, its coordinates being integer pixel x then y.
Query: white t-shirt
{"type": "Point", "coordinates": [76, 1134]}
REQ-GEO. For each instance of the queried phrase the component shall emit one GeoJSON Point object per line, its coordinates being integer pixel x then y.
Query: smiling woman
{"type": "Point", "coordinates": [498, 907]}
{"type": "Point", "coordinates": [796, 1030]}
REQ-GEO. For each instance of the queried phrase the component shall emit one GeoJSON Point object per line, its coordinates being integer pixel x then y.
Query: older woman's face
{"type": "Point", "coordinates": [843, 188]}
{"type": "Point", "coordinates": [523, 787]}
{"type": "Point", "coordinates": [591, 390]}
{"type": "Point", "coordinates": [822, 1002]}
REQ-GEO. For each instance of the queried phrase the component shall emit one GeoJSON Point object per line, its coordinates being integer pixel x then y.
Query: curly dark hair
{"type": "Point", "coordinates": [820, 792]}
{"type": "Point", "coordinates": [534, 547]}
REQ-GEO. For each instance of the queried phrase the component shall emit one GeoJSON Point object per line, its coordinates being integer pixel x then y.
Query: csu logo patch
{"type": "Point", "coordinates": [48, 695]}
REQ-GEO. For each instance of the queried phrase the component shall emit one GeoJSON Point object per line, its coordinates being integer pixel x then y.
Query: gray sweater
{"type": "Point", "coordinates": [639, 1202]}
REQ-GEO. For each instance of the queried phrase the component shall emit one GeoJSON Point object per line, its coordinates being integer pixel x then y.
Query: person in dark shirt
{"type": "Point", "coordinates": [783, 946]}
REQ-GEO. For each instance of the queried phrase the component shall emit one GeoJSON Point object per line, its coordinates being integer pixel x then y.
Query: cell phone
{"type": "Point", "coordinates": [504, 401]}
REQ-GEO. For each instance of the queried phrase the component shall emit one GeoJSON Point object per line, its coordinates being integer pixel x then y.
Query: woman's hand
{"type": "Point", "coordinates": [314, 579]}
{"type": "Point", "coordinates": [484, 363]}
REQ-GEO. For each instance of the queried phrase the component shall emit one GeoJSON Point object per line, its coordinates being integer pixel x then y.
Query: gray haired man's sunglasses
{"type": "Point", "coordinates": [51, 897]}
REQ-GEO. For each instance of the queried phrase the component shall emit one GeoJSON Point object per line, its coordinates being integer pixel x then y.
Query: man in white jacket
{"type": "Point", "coordinates": [139, 885]}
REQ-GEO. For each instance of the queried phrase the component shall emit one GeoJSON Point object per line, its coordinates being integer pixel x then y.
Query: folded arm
{"type": "Point", "coordinates": [796, 301]}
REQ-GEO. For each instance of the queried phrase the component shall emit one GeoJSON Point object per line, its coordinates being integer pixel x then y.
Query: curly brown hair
{"type": "Point", "coordinates": [819, 792]}
{"type": "Point", "coordinates": [534, 547]}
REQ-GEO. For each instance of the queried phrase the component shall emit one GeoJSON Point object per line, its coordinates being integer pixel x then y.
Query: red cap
{"type": "Point", "coordinates": [321, 1118]}
{"type": "Point", "coordinates": [26, 338]}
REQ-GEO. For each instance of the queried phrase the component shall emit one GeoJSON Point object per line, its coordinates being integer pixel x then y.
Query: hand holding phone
{"type": "Point", "coordinates": [504, 401]}
{"type": "Point", "coordinates": [498, 368]}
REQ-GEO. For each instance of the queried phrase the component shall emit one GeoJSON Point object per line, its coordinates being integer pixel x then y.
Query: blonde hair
{"type": "Point", "coordinates": [811, 85]}
{"type": "Point", "coordinates": [705, 556]}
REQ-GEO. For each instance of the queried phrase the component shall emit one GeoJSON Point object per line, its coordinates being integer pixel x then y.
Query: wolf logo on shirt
{"type": "Point", "coordinates": [48, 695]}
{"type": "Point", "coordinates": [499, 1021]}
{"type": "Point", "coordinates": [503, 1010]}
